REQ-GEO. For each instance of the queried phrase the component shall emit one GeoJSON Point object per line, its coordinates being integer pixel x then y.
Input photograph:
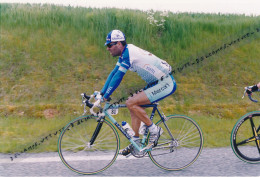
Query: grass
{"type": "Point", "coordinates": [50, 54]}
{"type": "Point", "coordinates": [18, 134]}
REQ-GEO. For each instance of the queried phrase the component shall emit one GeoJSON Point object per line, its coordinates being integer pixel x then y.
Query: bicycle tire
{"type": "Point", "coordinates": [76, 152]}
{"type": "Point", "coordinates": [245, 138]}
{"type": "Point", "coordinates": [173, 155]}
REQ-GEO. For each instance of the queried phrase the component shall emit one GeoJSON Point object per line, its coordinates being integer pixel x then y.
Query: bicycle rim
{"type": "Point", "coordinates": [182, 151]}
{"type": "Point", "coordinates": [81, 157]}
{"type": "Point", "coordinates": [245, 138]}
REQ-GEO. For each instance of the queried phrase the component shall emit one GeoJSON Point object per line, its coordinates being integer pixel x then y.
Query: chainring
{"type": "Point", "coordinates": [135, 152]}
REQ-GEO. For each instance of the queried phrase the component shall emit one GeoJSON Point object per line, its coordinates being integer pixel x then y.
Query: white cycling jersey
{"type": "Point", "coordinates": [145, 64]}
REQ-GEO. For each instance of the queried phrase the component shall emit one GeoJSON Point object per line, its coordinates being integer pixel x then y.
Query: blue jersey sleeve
{"type": "Point", "coordinates": [116, 76]}
{"type": "Point", "coordinates": [111, 75]}
{"type": "Point", "coordinates": [114, 83]}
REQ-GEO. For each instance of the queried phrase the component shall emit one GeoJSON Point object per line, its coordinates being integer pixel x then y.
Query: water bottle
{"type": "Point", "coordinates": [128, 129]}
{"type": "Point", "coordinates": [142, 128]}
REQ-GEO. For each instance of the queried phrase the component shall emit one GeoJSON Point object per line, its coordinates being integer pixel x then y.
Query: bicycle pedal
{"type": "Point", "coordinates": [128, 155]}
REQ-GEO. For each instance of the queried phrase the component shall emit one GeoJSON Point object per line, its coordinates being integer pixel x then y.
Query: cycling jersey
{"type": "Point", "coordinates": [145, 64]}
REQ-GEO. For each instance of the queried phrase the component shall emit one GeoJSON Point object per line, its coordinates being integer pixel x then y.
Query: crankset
{"type": "Point", "coordinates": [135, 152]}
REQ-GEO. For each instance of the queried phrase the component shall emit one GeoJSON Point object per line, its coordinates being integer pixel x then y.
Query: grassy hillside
{"type": "Point", "coordinates": [51, 54]}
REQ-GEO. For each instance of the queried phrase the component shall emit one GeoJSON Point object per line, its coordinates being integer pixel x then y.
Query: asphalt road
{"type": "Point", "coordinates": [212, 162]}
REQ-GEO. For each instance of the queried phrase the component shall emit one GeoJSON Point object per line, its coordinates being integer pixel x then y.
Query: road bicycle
{"type": "Point", "coordinates": [245, 136]}
{"type": "Point", "coordinates": [90, 144]}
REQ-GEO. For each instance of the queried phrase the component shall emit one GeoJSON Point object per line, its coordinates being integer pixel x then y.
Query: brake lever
{"type": "Point", "coordinates": [246, 88]}
{"type": "Point", "coordinates": [85, 102]}
{"type": "Point", "coordinates": [244, 94]}
{"type": "Point", "coordinates": [82, 98]}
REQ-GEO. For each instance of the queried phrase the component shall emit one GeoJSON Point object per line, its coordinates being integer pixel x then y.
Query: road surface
{"type": "Point", "coordinates": [212, 162]}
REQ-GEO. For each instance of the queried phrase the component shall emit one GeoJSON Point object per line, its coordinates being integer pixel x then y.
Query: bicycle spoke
{"type": "Point", "coordinates": [77, 153]}
{"type": "Point", "coordinates": [189, 136]}
{"type": "Point", "coordinates": [183, 150]}
{"type": "Point", "coordinates": [258, 129]}
{"type": "Point", "coordinates": [245, 138]}
{"type": "Point", "coordinates": [246, 141]}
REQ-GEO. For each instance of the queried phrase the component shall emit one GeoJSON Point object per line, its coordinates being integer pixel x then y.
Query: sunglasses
{"type": "Point", "coordinates": [111, 44]}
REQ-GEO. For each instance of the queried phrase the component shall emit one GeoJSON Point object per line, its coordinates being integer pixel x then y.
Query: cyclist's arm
{"type": "Point", "coordinates": [109, 78]}
{"type": "Point", "coordinates": [114, 83]}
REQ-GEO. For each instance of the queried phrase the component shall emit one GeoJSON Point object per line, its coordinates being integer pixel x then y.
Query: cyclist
{"type": "Point", "coordinates": [253, 88]}
{"type": "Point", "coordinates": [153, 70]}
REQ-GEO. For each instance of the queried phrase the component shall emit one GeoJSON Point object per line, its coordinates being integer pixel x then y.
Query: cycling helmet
{"type": "Point", "coordinates": [114, 36]}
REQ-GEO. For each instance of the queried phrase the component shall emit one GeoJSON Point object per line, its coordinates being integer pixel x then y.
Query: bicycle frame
{"type": "Point", "coordinates": [99, 137]}
{"type": "Point", "coordinates": [119, 127]}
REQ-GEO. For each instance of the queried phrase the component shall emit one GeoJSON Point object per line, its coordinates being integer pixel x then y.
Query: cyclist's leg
{"type": "Point", "coordinates": [152, 94]}
{"type": "Point", "coordinates": [138, 113]}
{"type": "Point", "coordinates": [132, 104]}
{"type": "Point", "coordinates": [135, 123]}
{"type": "Point", "coordinates": [164, 88]}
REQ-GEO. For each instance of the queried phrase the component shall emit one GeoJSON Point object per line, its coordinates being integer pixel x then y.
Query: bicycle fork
{"type": "Point", "coordinates": [97, 130]}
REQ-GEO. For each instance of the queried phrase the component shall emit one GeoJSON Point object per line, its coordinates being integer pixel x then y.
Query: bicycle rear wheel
{"type": "Point", "coordinates": [79, 155]}
{"type": "Point", "coordinates": [245, 138]}
{"type": "Point", "coordinates": [180, 144]}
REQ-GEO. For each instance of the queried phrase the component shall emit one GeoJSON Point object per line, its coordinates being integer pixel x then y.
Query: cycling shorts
{"type": "Point", "coordinates": [160, 89]}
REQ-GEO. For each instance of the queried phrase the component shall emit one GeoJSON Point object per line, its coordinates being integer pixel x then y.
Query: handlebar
{"type": "Point", "coordinates": [249, 95]}
{"type": "Point", "coordinates": [86, 101]}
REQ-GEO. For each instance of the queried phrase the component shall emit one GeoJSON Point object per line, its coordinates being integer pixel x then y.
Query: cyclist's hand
{"type": "Point", "coordinates": [96, 93]}
{"type": "Point", "coordinates": [98, 96]}
{"type": "Point", "coordinates": [248, 91]}
{"type": "Point", "coordinates": [251, 89]}
{"type": "Point", "coordinates": [101, 98]}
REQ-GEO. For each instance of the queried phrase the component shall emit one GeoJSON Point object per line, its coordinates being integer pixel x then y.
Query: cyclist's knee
{"type": "Point", "coordinates": [129, 103]}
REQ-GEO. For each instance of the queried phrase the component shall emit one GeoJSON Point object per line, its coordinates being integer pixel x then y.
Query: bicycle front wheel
{"type": "Point", "coordinates": [79, 155]}
{"type": "Point", "coordinates": [245, 138]}
{"type": "Point", "coordinates": [180, 144]}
